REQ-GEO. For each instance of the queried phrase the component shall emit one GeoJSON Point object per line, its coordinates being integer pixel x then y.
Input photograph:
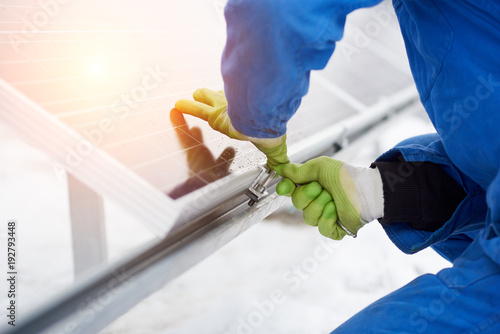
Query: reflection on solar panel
{"type": "Point", "coordinates": [76, 75]}
{"type": "Point", "coordinates": [112, 70]}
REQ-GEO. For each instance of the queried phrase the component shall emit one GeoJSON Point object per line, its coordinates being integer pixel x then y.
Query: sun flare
{"type": "Point", "coordinates": [96, 69]}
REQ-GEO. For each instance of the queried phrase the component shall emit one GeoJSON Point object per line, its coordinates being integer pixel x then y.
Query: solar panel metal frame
{"type": "Point", "coordinates": [39, 128]}
{"type": "Point", "coordinates": [220, 212]}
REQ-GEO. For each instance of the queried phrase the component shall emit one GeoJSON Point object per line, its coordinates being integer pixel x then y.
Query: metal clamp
{"type": "Point", "coordinates": [258, 189]}
{"type": "Point", "coordinates": [349, 233]}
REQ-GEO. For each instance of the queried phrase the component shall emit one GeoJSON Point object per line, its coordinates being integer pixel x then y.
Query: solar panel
{"type": "Point", "coordinates": [111, 71]}
{"type": "Point", "coordinates": [92, 84]}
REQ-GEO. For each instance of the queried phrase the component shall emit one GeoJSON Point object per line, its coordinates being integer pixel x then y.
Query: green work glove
{"type": "Point", "coordinates": [335, 196]}
{"type": "Point", "coordinates": [212, 107]}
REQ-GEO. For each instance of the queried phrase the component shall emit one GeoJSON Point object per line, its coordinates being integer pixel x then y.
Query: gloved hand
{"type": "Point", "coordinates": [212, 107]}
{"type": "Point", "coordinates": [331, 191]}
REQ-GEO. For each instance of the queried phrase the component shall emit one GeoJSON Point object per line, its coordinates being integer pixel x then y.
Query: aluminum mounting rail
{"type": "Point", "coordinates": [92, 304]}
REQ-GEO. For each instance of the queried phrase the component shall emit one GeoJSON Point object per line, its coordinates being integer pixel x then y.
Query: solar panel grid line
{"type": "Point", "coordinates": [137, 140]}
{"type": "Point", "coordinates": [189, 208]}
{"type": "Point", "coordinates": [115, 93]}
{"type": "Point", "coordinates": [160, 184]}
{"type": "Point", "coordinates": [181, 153]}
{"type": "Point", "coordinates": [89, 35]}
{"type": "Point", "coordinates": [135, 151]}
{"type": "Point", "coordinates": [82, 111]}
{"type": "Point", "coordinates": [158, 53]}
{"type": "Point", "coordinates": [86, 65]}
{"type": "Point", "coordinates": [19, 84]}
{"type": "Point", "coordinates": [216, 172]}
{"type": "Point", "coordinates": [136, 135]}
{"type": "Point", "coordinates": [127, 150]}
{"type": "Point", "coordinates": [121, 131]}
{"type": "Point", "coordinates": [169, 132]}
{"type": "Point", "coordinates": [121, 32]}
{"type": "Point", "coordinates": [157, 159]}
{"type": "Point", "coordinates": [161, 96]}
{"type": "Point", "coordinates": [116, 114]}
{"type": "Point", "coordinates": [48, 71]}
{"type": "Point", "coordinates": [202, 172]}
{"type": "Point", "coordinates": [186, 93]}
{"type": "Point", "coordinates": [168, 174]}
{"type": "Point", "coordinates": [31, 82]}
{"type": "Point", "coordinates": [190, 66]}
{"type": "Point", "coordinates": [172, 68]}
{"type": "Point", "coordinates": [215, 167]}
{"type": "Point", "coordinates": [296, 151]}
{"type": "Point", "coordinates": [94, 38]}
{"type": "Point", "coordinates": [133, 14]}
{"type": "Point", "coordinates": [90, 9]}
{"type": "Point", "coordinates": [36, 132]}
{"type": "Point", "coordinates": [59, 22]}
{"type": "Point", "coordinates": [200, 159]}
{"type": "Point", "coordinates": [40, 129]}
{"type": "Point", "coordinates": [74, 26]}
{"type": "Point", "coordinates": [66, 114]}
{"type": "Point", "coordinates": [159, 226]}
{"type": "Point", "coordinates": [30, 11]}
{"type": "Point", "coordinates": [131, 114]}
{"type": "Point", "coordinates": [52, 9]}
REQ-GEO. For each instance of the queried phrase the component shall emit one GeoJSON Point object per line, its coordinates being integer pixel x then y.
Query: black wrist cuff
{"type": "Point", "coordinates": [420, 194]}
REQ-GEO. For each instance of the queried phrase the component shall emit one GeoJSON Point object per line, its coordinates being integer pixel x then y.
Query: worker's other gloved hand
{"type": "Point", "coordinates": [331, 191]}
{"type": "Point", "coordinates": [212, 107]}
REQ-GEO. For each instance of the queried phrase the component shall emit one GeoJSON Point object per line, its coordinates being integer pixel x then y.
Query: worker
{"type": "Point", "coordinates": [440, 190]}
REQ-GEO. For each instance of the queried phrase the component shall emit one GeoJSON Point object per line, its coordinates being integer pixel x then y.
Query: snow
{"type": "Point", "coordinates": [283, 277]}
{"type": "Point", "coordinates": [279, 277]}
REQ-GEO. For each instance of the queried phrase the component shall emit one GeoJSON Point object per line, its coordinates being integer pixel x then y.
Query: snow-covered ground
{"type": "Point", "coordinates": [279, 277]}
{"type": "Point", "coordinates": [283, 277]}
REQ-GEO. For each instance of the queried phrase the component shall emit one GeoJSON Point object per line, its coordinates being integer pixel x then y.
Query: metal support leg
{"type": "Point", "coordinates": [87, 226]}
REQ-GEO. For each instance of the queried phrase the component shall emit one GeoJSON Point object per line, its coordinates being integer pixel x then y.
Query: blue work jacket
{"type": "Point", "coordinates": [454, 53]}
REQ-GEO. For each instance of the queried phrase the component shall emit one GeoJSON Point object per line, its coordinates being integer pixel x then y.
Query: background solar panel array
{"type": "Point", "coordinates": [112, 71]}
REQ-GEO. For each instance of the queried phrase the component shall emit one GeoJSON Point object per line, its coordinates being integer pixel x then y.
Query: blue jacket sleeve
{"type": "Point", "coordinates": [459, 88]}
{"type": "Point", "coordinates": [457, 233]}
{"type": "Point", "coordinates": [271, 48]}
